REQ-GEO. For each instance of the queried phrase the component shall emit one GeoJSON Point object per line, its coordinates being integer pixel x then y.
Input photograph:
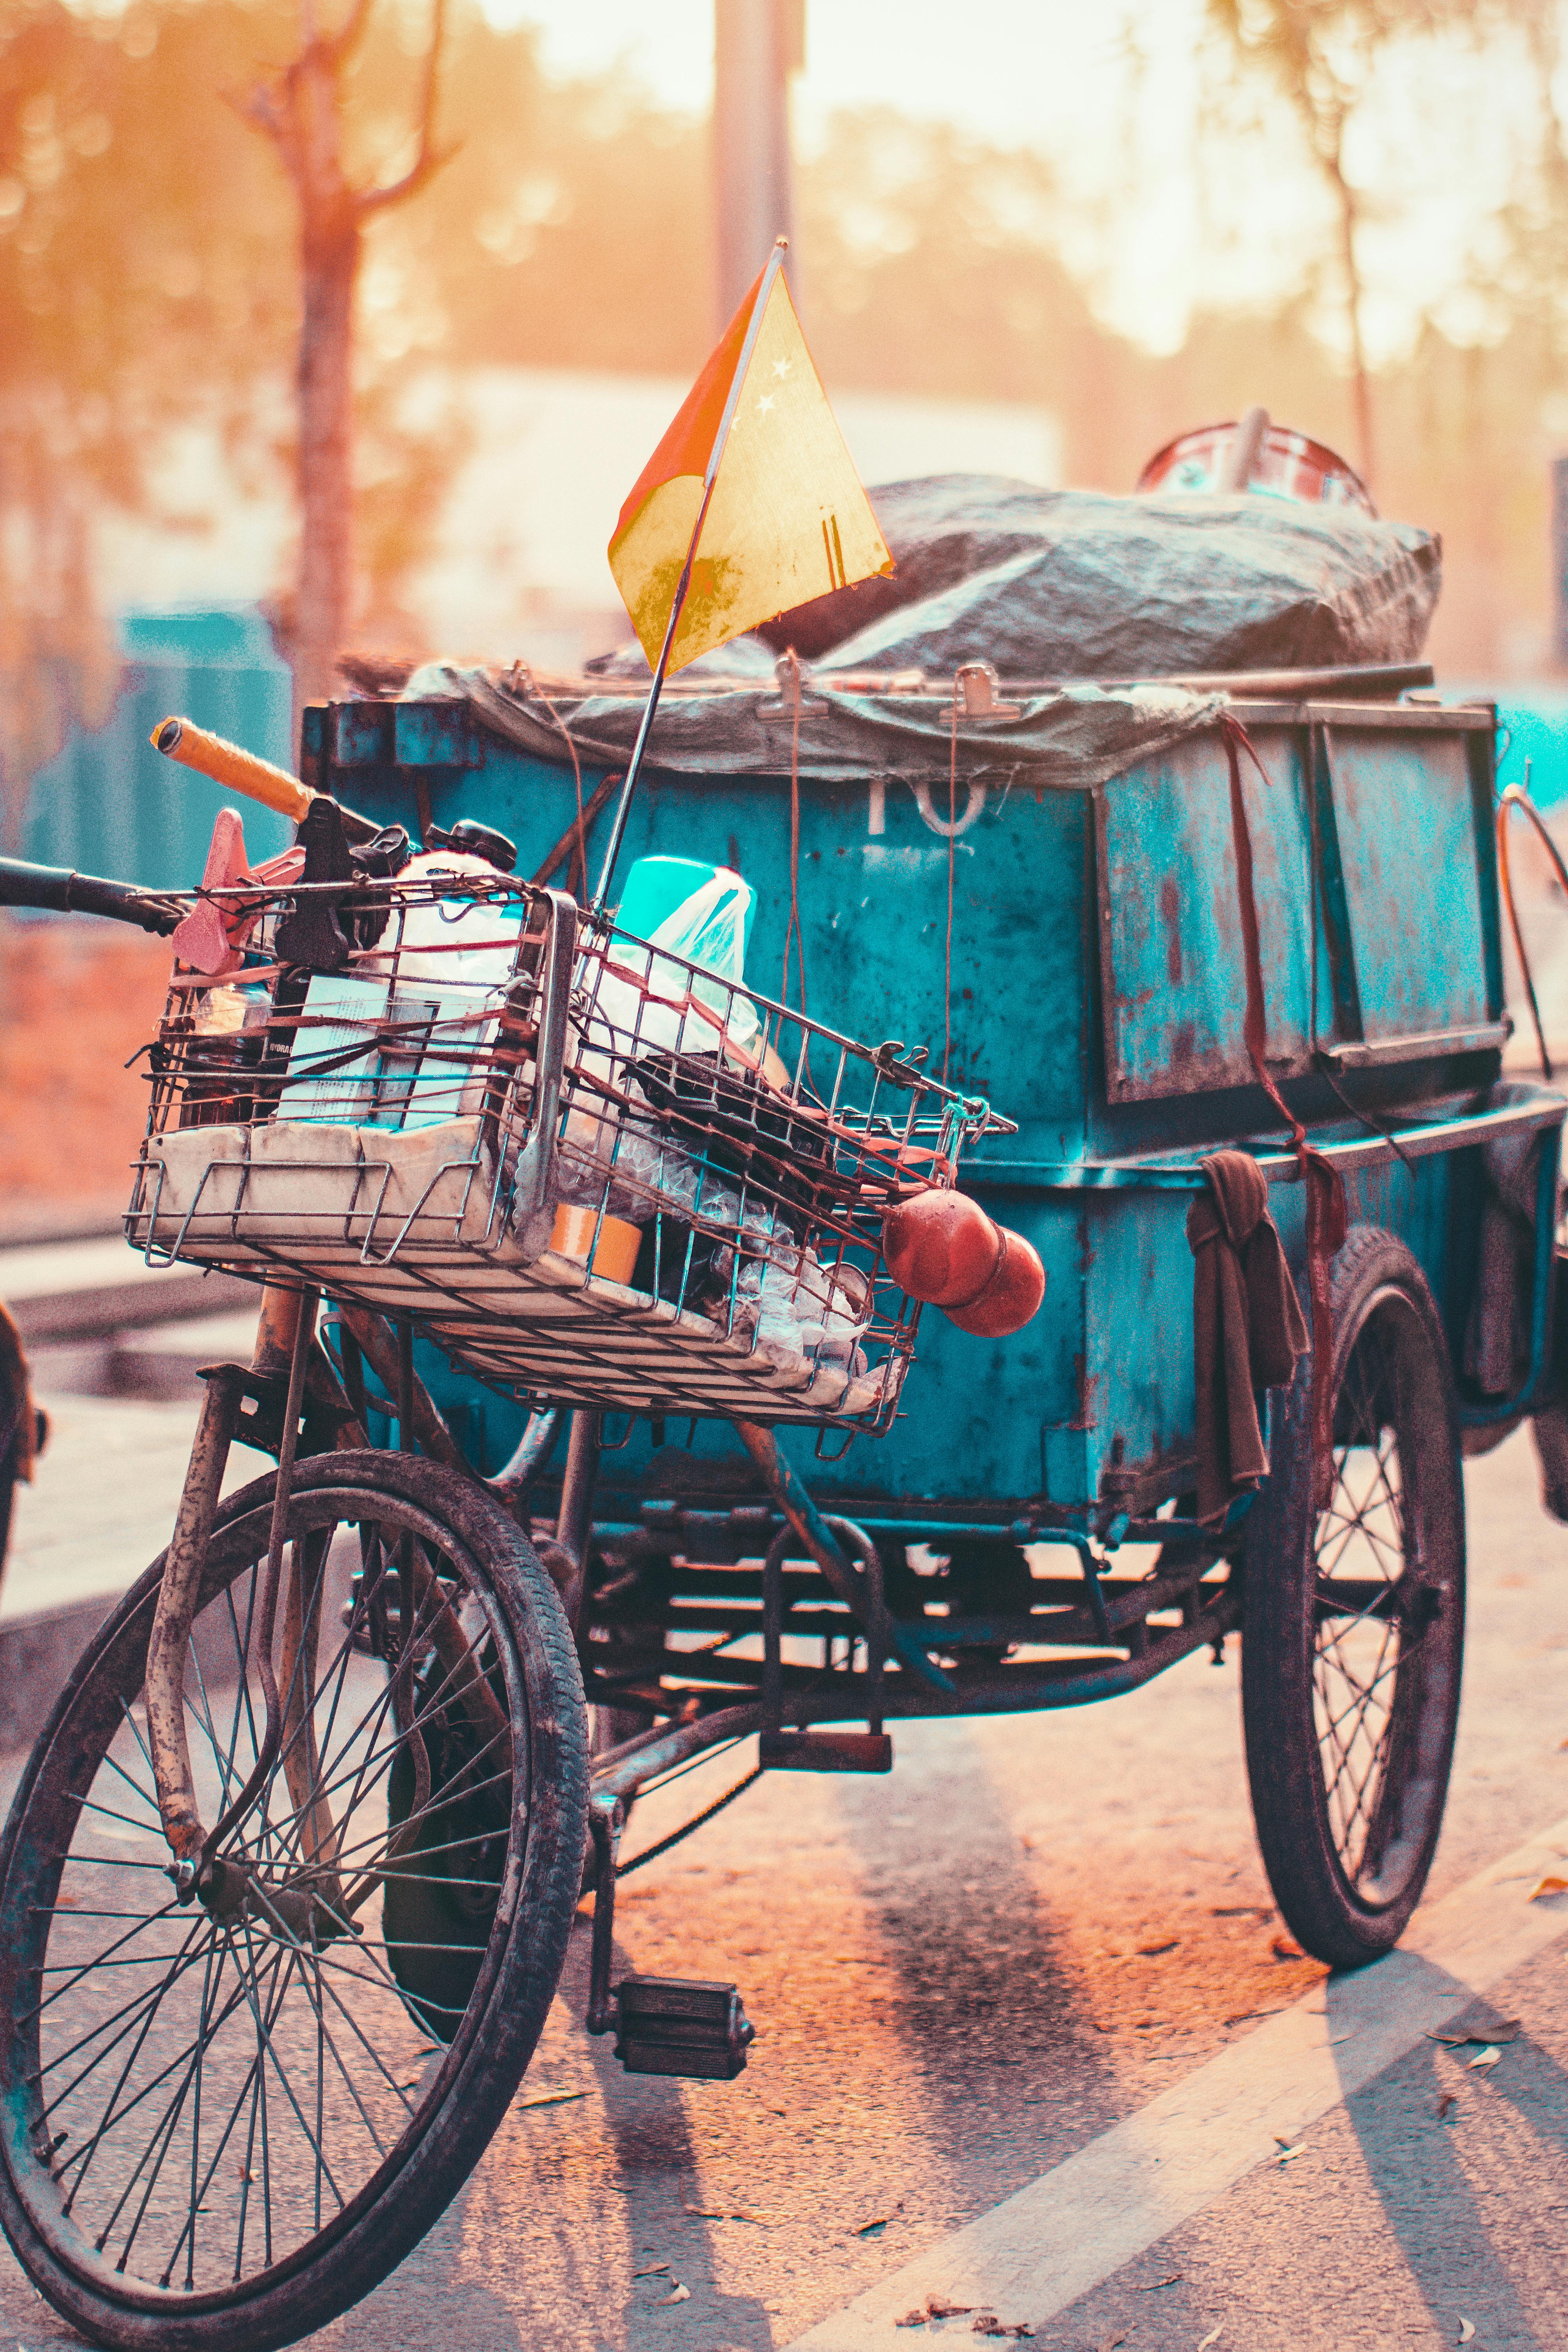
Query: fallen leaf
{"type": "Point", "coordinates": [1284, 1949]}
{"type": "Point", "coordinates": [1467, 2330]}
{"type": "Point", "coordinates": [1153, 1952]}
{"type": "Point", "coordinates": [1506, 2029]}
{"type": "Point", "coordinates": [875, 2229]}
{"type": "Point", "coordinates": [1244, 1910]}
{"type": "Point", "coordinates": [1289, 2155]}
{"type": "Point", "coordinates": [937, 2309]}
{"type": "Point", "coordinates": [911, 2319]}
{"type": "Point", "coordinates": [1444, 2105]}
{"type": "Point", "coordinates": [678, 2293]}
{"type": "Point", "coordinates": [1549, 1885]}
{"type": "Point", "coordinates": [1154, 2285]}
{"type": "Point", "coordinates": [1212, 2338]}
{"type": "Point", "coordinates": [989, 2324]}
{"type": "Point", "coordinates": [552, 2098]}
{"type": "Point", "coordinates": [655, 2270]}
{"type": "Point", "coordinates": [1483, 2058]}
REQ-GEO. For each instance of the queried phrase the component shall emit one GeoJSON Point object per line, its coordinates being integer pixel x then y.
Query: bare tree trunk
{"type": "Point", "coordinates": [302, 113]}
{"type": "Point", "coordinates": [1360, 380]}
{"type": "Point", "coordinates": [323, 603]}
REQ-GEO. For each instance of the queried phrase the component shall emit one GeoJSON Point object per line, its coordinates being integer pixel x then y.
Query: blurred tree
{"type": "Point", "coordinates": [149, 282]}
{"type": "Point", "coordinates": [301, 110]}
{"type": "Point", "coordinates": [1320, 57]}
{"type": "Point", "coordinates": [149, 296]}
{"type": "Point", "coordinates": [120, 320]}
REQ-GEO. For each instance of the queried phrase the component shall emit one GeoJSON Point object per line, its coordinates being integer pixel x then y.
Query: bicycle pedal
{"type": "Point", "coordinates": [824, 1751]}
{"type": "Point", "coordinates": [681, 2025]}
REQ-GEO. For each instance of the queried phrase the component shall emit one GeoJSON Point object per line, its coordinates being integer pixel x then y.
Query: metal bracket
{"type": "Point", "coordinates": [311, 935]}
{"type": "Point", "coordinates": [531, 1184]}
{"type": "Point", "coordinates": [867, 1751]}
{"type": "Point", "coordinates": [825, 1751]}
{"type": "Point", "coordinates": [976, 690]}
{"type": "Point", "coordinates": [790, 672]}
{"type": "Point", "coordinates": [863, 1601]}
{"type": "Point", "coordinates": [263, 1406]}
{"type": "Point", "coordinates": [934, 824]}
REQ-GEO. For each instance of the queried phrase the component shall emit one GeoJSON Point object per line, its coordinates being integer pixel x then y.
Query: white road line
{"type": "Point", "coordinates": [1042, 2248]}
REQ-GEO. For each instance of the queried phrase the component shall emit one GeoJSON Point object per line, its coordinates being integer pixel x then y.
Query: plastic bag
{"type": "Point", "coordinates": [640, 1003]}
{"type": "Point", "coordinates": [642, 996]}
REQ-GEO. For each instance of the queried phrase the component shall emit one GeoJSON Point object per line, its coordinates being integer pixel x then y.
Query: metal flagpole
{"type": "Point", "coordinates": [775, 262]}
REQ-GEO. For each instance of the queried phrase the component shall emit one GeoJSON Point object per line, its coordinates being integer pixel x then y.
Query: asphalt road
{"type": "Point", "coordinates": [964, 1974]}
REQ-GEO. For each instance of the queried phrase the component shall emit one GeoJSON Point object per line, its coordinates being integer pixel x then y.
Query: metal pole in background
{"type": "Point", "coordinates": [1560, 560]}
{"type": "Point", "coordinates": [757, 45]}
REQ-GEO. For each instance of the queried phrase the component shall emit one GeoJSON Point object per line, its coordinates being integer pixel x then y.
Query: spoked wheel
{"type": "Point", "coordinates": [1354, 1618]}
{"type": "Point", "coordinates": [223, 2123]}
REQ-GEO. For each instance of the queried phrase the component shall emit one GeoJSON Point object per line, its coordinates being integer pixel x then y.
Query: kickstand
{"type": "Point", "coordinates": [607, 1819]}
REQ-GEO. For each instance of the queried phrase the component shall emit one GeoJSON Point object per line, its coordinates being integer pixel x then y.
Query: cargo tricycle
{"type": "Point", "coordinates": [607, 1438]}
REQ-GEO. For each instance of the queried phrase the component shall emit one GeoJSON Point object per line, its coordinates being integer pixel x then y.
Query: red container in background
{"type": "Point", "coordinates": [1288, 465]}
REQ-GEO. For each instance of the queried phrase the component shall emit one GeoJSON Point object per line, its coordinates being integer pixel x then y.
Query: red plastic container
{"type": "Point", "coordinates": [1287, 465]}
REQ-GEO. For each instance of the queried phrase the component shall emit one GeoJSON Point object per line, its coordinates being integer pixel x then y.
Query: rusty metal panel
{"type": "Point", "coordinates": [1173, 986]}
{"type": "Point", "coordinates": [1407, 832]}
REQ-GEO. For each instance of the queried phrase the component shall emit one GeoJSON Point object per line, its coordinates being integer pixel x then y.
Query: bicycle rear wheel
{"type": "Point", "coordinates": [1352, 1635]}
{"type": "Point", "coordinates": [221, 2124]}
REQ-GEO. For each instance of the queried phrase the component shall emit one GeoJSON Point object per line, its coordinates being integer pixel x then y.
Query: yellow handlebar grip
{"type": "Point", "coordinates": [226, 765]}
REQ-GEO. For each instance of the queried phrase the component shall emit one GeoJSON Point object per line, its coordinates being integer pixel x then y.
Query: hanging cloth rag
{"type": "Point", "coordinates": [1248, 1326]}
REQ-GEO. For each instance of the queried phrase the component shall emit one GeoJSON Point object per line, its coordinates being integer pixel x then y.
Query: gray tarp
{"type": "Point", "coordinates": [1074, 584]}
{"type": "Point", "coordinates": [1076, 736]}
{"type": "Point", "coordinates": [1045, 585]}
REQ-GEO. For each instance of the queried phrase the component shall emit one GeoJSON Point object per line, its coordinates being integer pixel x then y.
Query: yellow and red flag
{"type": "Point", "coordinates": [788, 520]}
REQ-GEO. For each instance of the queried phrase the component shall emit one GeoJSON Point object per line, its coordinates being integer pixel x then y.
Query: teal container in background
{"type": "Point", "coordinates": [109, 804]}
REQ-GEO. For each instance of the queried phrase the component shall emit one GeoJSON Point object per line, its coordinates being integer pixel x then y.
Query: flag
{"type": "Point", "coordinates": [788, 520]}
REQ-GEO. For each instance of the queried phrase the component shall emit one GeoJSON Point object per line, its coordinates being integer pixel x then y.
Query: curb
{"type": "Point", "coordinates": [37, 1651]}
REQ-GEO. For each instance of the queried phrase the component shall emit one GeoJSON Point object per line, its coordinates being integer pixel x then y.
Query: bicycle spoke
{"type": "Point", "coordinates": [216, 2084]}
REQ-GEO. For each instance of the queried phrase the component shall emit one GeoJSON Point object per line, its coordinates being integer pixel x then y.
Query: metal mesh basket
{"type": "Point", "coordinates": [590, 1171]}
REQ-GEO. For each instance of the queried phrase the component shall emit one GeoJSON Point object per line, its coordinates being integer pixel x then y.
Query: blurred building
{"type": "Point", "coordinates": [110, 805]}
{"type": "Point", "coordinates": [516, 564]}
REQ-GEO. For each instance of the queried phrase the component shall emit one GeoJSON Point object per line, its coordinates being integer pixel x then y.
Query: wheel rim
{"type": "Point", "coordinates": [1383, 1634]}
{"type": "Point", "coordinates": [202, 2098]}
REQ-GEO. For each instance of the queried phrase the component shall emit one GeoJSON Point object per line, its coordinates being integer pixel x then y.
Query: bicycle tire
{"type": "Point", "coordinates": [489, 1584]}
{"type": "Point", "coordinates": [1354, 1618]}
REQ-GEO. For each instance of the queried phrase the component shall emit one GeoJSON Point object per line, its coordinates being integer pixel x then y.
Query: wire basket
{"type": "Point", "coordinates": [590, 1171]}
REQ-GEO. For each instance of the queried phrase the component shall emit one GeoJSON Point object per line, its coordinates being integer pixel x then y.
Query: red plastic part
{"type": "Point", "coordinates": [940, 1247]}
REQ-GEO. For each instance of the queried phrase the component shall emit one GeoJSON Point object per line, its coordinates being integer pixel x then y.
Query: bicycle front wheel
{"type": "Point", "coordinates": [223, 2123]}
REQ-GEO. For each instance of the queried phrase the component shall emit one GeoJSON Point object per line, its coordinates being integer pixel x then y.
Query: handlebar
{"type": "Point", "coordinates": [242, 772]}
{"type": "Point", "coordinates": [56, 890]}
